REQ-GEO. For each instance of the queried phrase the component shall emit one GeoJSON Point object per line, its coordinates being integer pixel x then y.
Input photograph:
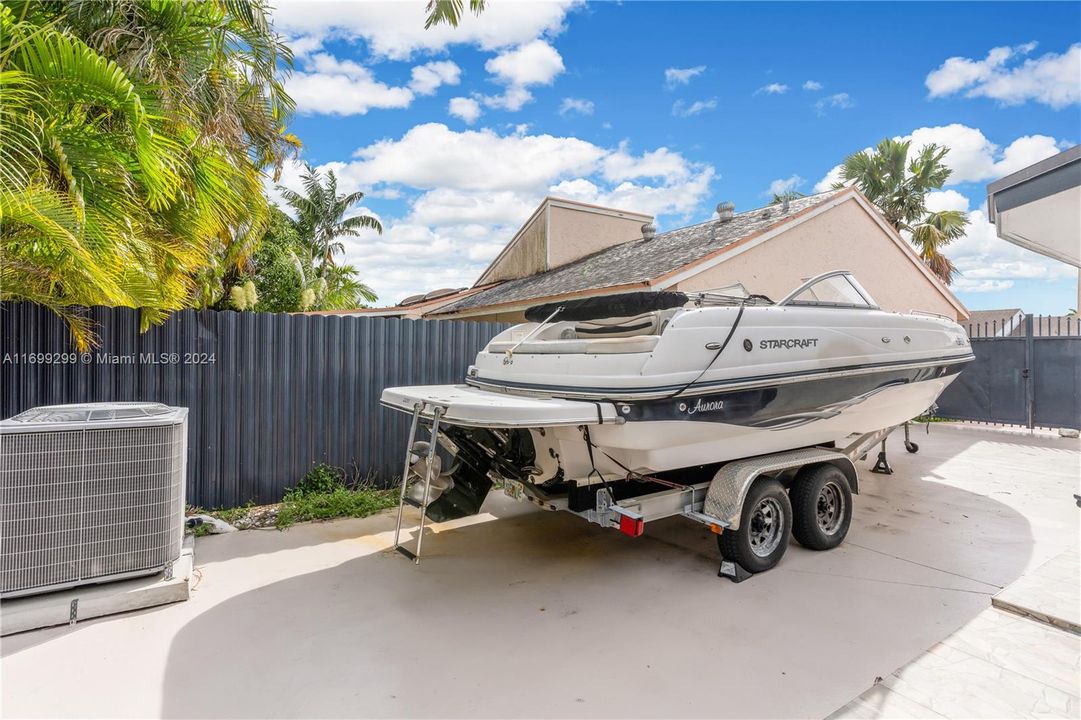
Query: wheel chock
{"type": "Point", "coordinates": [733, 571]}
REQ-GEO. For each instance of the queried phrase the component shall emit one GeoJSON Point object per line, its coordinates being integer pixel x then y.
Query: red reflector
{"type": "Point", "coordinates": [631, 526]}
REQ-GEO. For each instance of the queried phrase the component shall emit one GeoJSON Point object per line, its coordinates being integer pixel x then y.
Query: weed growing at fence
{"type": "Point", "coordinates": [323, 494]}
{"type": "Point", "coordinates": [322, 478]}
{"type": "Point", "coordinates": [232, 515]}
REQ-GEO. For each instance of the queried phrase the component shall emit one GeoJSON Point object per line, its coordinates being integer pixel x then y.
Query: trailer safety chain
{"type": "Point", "coordinates": [593, 464]}
{"type": "Point", "coordinates": [631, 474]}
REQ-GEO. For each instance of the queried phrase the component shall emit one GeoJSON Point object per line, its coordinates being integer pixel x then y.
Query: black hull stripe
{"type": "Point", "coordinates": [782, 406]}
{"type": "Point", "coordinates": [603, 392]}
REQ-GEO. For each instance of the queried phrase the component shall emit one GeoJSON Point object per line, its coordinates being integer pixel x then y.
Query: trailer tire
{"type": "Point", "coordinates": [821, 507]}
{"type": "Point", "coordinates": [764, 529]}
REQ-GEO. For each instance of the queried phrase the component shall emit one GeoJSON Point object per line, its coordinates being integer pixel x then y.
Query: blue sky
{"type": "Point", "coordinates": [668, 108]}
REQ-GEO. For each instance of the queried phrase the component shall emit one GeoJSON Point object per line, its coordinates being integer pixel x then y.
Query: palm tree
{"type": "Point", "coordinates": [789, 195]}
{"type": "Point", "coordinates": [450, 11]}
{"type": "Point", "coordinates": [343, 290]}
{"type": "Point", "coordinates": [932, 233]}
{"type": "Point", "coordinates": [219, 68]}
{"type": "Point", "coordinates": [321, 220]}
{"type": "Point", "coordinates": [134, 139]}
{"type": "Point", "coordinates": [899, 187]}
{"type": "Point", "coordinates": [84, 165]}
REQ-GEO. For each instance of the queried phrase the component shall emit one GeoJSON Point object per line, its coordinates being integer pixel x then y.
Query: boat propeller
{"type": "Point", "coordinates": [418, 468]}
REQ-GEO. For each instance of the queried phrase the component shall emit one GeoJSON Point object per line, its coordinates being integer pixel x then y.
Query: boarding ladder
{"type": "Point", "coordinates": [404, 499]}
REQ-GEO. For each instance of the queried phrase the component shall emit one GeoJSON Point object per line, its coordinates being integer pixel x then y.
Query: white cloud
{"type": "Point", "coordinates": [1052, 79]}
{"type": "Point", "coordinates": [829, 179]}
{"type": "Point", "coordinates": [429, 77]}
{"type": "Point", "coordinates": [772, 89]}
{"type": "Point", "coordinates": [577, 105]}
{"type": "Point", "coordinates": [577, 189]}
{"type": "Point", "coordinates": [535, 63]}
{"type": "Point", "coordinates": [681, 76]}
{"type": "Point", "coordinates": [812, 85]}
{"type": "Point", "coordinates": [679, 199]}
{"type": "Point", "coordinates": [940, 200]}
{"type": "Point", "coordinates": [342, 87]}
{"type": "Point", "coordinates": [396, 29]}
{"type": "Point", "coordinates": [972, 156]}
{"type": "Point", "coordinates": [621, 165]}
{"type": "Point", "coordinates": [841, 101]}
{"type": "Point", "coordinates": [681, 109]}
{"type": "Point", "coordinates": [963, 284]}
{"type": "Point", "coordinates": [449, 207]}
{"type": "Point", "coordinates": [512, 99]}
{"type": "Point", "coordinates": [467, 192]}
{"type": "Point", "coordinates": [783, 185]}
{"type": "Point", "coordinates": [432, 155]}
{"type": "Point", "coordinates": [465, 108]}
{"type": "Point", "coordinates": [305, 45]}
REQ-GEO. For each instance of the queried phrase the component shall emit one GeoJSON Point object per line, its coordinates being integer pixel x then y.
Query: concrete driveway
{"type": "Point", "coordinates": [526, 613]}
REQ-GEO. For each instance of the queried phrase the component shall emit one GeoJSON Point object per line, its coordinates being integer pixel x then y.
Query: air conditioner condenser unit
{"type": "Point", "coordinates": [90, 493]}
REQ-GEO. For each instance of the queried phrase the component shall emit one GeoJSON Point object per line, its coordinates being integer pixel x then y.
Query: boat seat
{"type": "Point", "coordinates": [650, 323]}
{"type": "Point", "coordinates": [580, 346]}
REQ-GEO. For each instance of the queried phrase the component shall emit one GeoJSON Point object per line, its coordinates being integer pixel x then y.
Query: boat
{"type": "Point", "coordinates": [669, 386]}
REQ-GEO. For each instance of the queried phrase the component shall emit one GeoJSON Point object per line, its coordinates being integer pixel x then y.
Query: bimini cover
{"type": "Point", "coordinates": [607, 306]}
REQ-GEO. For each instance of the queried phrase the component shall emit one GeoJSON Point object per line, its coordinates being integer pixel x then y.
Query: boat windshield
{"type": "Point", "coordinates": [832, 289]}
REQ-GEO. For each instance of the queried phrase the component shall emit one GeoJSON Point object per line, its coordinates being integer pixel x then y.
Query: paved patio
{"type": "Point", "coordinates": [522, 613]}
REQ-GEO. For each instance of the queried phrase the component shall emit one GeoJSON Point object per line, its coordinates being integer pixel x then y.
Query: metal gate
{"type": "Point", "coordinates": [1026, 373]}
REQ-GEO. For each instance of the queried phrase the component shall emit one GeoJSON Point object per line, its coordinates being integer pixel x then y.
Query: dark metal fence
{"type": "Point", "coordinates": [269, 395]}
{"type": "Point", "coordinates": [1027, 372]}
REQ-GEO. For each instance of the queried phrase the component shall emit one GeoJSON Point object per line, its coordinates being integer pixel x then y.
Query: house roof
{"type": "Point", "coordinates": [639, 261]}
{"type": "Point", "coordinates": [540, 215]}
{"type": "Point", "coordinates": [991, 322]}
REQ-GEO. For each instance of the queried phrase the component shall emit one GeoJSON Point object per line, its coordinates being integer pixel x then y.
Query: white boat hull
{"type": "Point", "coordinates": [649, 446]}
{"type": "Point", "coordinates": [561, 405]}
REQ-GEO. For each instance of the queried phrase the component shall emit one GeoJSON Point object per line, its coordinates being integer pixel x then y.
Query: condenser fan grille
{"type": "Point", "coordinates": [91, 504]}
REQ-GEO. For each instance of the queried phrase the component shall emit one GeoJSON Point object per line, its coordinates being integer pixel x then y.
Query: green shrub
{"type": "Point", "coordinates": [322, 478]}
{"type": "Point", "coordinates": [340, 501]}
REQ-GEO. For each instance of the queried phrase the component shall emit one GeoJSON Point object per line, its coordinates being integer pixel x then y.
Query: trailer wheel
{"type": "Point", "coordinates": [764, 529]}
{"type": "Point", "coordinates": [821, 507]}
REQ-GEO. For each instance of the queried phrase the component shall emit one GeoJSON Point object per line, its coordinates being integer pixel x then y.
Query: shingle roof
{"type": "Point", "coordinates": [992, 322]}
{"type": "Point", "coordinates": [637, 261]}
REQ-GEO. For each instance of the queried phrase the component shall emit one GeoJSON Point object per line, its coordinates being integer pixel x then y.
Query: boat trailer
{"type": "Point", "coordinates": [718, 503]}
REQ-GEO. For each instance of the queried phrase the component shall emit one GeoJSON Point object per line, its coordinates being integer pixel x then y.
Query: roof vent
{"type": "Point", "coordinates": [649, 231]}
{"type": "Point", "coordinates": [725, 211]}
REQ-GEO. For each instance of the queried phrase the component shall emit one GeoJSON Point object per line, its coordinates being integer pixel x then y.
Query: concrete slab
{"type": "Point", "coordinates": [522, 613]}
{"type": "Point", "coordinates": [68, 607]}
{"type": "Point", "coordinates": [1050, 594]}
{"type": "Point", "coordinates": [998, 665]}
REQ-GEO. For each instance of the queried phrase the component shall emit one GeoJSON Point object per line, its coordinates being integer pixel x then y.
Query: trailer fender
{"type": "Point", "coordinates": [846, 466]}
{"type": "Point", "coordinates": [729, 487]}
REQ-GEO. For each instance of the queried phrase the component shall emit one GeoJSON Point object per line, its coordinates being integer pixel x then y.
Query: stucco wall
{"type": "Point", "coordinates": [574, 233]}
{"type": "Point", "coordinates": [843, 238]}
{"type": "Point", "coordinates": [526, 257]}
